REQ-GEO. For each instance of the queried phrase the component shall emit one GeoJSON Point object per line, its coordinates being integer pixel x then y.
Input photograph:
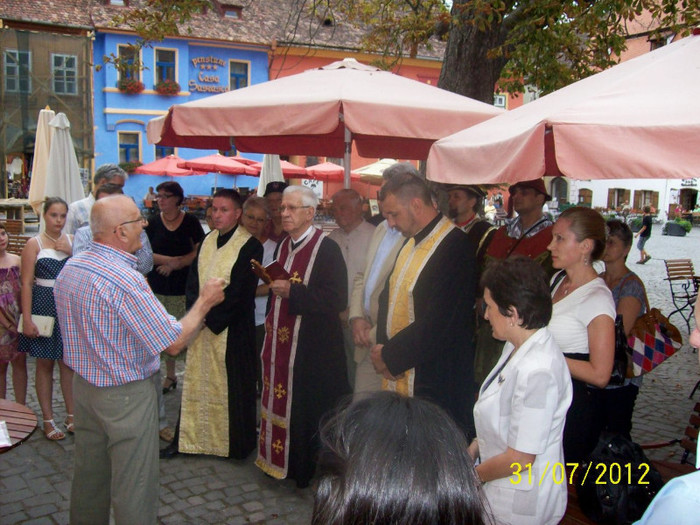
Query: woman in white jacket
{"type": "Point", "coordinates": [522, 405]}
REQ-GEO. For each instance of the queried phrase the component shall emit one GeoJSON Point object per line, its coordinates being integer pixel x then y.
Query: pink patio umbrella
{"type": "Point", "coordinates": [218, 163]}
{"type": "Point", "coordinates": [289, 170]}
{"type": "Point", "coordinates": [638, 119]}
{"type": "Point", "coordinates": [167, 166]}
{"type": "Point", "coordinates": [321, 112]}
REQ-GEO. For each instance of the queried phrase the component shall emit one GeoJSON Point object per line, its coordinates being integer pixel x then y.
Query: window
{"type": "Point", "coordinates": [18, 69]}
{"type": "Point", "coordinates": [239, 75]}
{"type": "Point", "coordinates": [116, 2]}
{"type": "Point", "coordinates": [65, 74]}
{"type": "Point", "coordinates": [165, 65]}
{"type": "Point", "coordinates": [164, 151]}
{"type": "Point", "coordinates": [129, 150]}
{"type": "Point", "coordinates": [499, 101]}
{"type": "Point", "coordinates": [127, 55]}
{"type": "Point", "coordinates": [234, 12]}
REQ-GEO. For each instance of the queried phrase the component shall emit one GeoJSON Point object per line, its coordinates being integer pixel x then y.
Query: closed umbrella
{"type": "Point", "coordinates": [63, 178]}
{"type": "Point", "coordinates": [288, 169]}
{"type": "Point", "coordinates": [322, 112]}
{"type": "Point", "coordinates": [42, 147]}
{"type": "Point", "coordinates": [270, 171]}
{"type": "Point", "coordinates": [638, 119]}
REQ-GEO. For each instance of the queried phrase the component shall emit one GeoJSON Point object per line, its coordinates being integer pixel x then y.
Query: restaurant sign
{"type": "Point", "coordinates": [207, 75]}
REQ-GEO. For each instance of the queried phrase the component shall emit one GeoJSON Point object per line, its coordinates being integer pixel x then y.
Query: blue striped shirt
{"type": "Point", "coordinates": [113, 327]}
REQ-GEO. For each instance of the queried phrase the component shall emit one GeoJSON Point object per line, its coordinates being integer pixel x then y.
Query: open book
{"type": "Point", "coordinates": [269, 273]}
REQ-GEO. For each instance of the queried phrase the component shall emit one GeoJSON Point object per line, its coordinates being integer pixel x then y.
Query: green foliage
{"type": "Point", "coordinates": [686, 225]}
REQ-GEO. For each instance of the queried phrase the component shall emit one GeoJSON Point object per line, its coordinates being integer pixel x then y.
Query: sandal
{"type": "Point", "coordinates": [55, 434]}
{"type": "Point", "coordinates": [68, 423]}
{"type": "Point", "coordinates": [169, 384]}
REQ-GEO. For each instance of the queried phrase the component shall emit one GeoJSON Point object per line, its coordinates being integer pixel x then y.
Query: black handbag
{"type": "Point", "coordinates": [619, 369]}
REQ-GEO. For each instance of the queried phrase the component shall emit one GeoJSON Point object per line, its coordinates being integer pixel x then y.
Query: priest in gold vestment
{"type": "Point", "coordinates": [218, 413]}
{"type": "Point", "coordinates": [425, 323]}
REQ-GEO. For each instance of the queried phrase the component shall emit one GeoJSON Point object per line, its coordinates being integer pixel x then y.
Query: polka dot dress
{"type": "Point", "coordinates": [49, 264]}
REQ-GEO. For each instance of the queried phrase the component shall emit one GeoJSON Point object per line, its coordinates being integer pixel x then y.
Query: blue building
{"type": "Point", "coordinates": [176, 71]}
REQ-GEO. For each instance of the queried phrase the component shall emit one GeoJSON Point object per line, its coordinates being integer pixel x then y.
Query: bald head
{"type": "Point", "coordinates": [115, 221]}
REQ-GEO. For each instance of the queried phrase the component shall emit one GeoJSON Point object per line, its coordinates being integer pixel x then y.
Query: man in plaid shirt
{"type": "Point", "coordinates": [113, 331]}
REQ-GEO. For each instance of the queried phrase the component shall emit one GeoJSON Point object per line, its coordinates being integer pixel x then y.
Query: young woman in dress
{"type": "Point", "coordinates": [583, 320]}
{"type": "Point", "coordinates": [42, 260]}
{"type": "Point", "coordinates": [9, 317]}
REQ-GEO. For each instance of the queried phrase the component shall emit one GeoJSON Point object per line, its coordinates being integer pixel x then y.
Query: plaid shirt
{"type": "Point", "coordinates": [113, 327]}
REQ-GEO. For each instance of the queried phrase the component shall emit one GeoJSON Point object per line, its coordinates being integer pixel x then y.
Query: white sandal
{"type": "Point", "coordinates": [70, 427]}
{"type": "Point", "coordinates": [55, 434]}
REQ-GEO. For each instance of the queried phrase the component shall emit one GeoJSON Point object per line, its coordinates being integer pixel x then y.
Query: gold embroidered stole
{"type": "Point", "coordinates": [409, 265]}
{"type": "Point", "coordinates": [278, 355]}
{"type": "Point", "coordinates": [204, 427]}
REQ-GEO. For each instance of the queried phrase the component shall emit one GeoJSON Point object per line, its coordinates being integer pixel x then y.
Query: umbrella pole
{"type": "Point", "coordinates": [346, 157]}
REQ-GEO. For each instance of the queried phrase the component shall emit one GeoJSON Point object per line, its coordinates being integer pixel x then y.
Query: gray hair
{"type": "Point", "coordinates": [308, 197]}
{"type": "Point", "coordinates": [107, 172]}
{"type": "Point", "coordinates": [400, 168]}
{"type": "Point", "coordinates": [256, 202]}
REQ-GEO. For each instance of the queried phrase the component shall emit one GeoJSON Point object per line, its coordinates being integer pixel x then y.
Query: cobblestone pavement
{"type": "Point", "coordinates": [35, 477]}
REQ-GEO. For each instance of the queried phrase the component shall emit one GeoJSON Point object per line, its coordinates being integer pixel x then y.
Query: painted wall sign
{"type": "Point", "coordinates": [208, 75]}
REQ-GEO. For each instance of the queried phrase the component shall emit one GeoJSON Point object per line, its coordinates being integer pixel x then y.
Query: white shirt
{"type": "Point", "coordinates": [572, 314]}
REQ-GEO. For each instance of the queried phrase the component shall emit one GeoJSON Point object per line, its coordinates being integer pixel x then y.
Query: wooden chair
{"type": "Point", "coordinates": [681, 277]}
{"type": "Point", "coordinates": [16, 243]}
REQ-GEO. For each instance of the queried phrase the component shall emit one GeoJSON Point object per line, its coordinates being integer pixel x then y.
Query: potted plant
{"type": "Point", "coordinates": [167, 87]}
{"type": "Point", "coordinates": [129, 167]}
{"type": "Point", "coordinates": [130, 85]}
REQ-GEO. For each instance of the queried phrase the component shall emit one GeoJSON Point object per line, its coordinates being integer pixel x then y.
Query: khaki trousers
{"type": "Point", "coordinates": [116, 454]}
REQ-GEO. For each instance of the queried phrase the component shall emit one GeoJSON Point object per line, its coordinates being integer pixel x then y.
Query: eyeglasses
{"type": "Point", "coordinates": [142, 220]}
{"type": "Point", "coordinates": [291, 208]}
{"type": "Point", "coordinates": [164, 195]}
{"type": "Point", "coordinates": [253, 218]}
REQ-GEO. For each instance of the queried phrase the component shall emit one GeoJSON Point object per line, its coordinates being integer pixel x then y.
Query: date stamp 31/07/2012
{"type": "Point", "coordinates": [580, 473]}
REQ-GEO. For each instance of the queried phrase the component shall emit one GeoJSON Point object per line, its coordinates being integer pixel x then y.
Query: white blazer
{"type": "Point", "coordinates": [524, 408]}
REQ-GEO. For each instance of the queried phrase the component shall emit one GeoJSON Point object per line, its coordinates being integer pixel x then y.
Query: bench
{"type": "Point", "coordinates": [683, 282]}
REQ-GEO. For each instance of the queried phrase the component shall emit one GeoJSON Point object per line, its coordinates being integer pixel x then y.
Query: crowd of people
{"type": "Point", "coordinates": [438, 354]}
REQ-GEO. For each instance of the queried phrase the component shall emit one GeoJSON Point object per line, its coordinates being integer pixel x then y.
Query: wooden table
{"type": "Point", "coordinates": [21, 422]}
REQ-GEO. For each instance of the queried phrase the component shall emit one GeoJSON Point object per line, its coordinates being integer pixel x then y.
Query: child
{"type": "Point", "coordinates": [9, 317]}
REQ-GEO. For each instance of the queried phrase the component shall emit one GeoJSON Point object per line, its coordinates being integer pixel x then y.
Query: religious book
{"type": "Point", "coordinates": [269, 273]}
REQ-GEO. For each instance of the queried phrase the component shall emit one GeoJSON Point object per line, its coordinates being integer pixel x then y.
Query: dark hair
{"type": "Point", "coordinates": [108, 172]}
{"type": "Point", "coordinates": [232, 195]}
{"type": "Point", "coordinates": [393, 459]}
{"type": "Point", "coordinates": [620, 230]}
{"type": "Point", "coordinates": [587, 223]}
{"type": "Point", "coordinates": [174, 188]}
{"type": "Point", "coordinates": [3, 228]}
{"type": "Point", "coordinates": [406, 186]}
{"type": "Point", "coordinates": [50, 201]}
{"type": "Point", "coordinates": [109, 189]}
{"type": "Point", "coordinates": [521, 283]}
{"type": "Point", "coordinates": [646, 209]}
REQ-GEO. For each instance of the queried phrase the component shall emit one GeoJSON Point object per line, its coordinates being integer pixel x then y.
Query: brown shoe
{"type": "Point", "coordinates": [167, 434]}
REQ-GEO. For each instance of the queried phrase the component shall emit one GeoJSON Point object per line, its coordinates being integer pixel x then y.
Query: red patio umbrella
{"type": "Point", "coordinates": [218, 163]}
{"type": "Point", "coordinates": [289, 170]}
{"type": "Point", "coordinates": [328, 172]}
{"type": "Point", "coordinates": [167, 166]}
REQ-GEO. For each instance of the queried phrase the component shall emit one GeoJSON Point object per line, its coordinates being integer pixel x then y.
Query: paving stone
{"type": "Point", "coordinates": [253, 506]}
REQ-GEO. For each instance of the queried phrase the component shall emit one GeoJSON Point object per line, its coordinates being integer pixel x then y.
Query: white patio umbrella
{"type": "Point", "coordinates": [42, 146]}
{"type": "Point", "coordinates": [271, 172]}
{"type": "Point", "coordinates": [63, 177]}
